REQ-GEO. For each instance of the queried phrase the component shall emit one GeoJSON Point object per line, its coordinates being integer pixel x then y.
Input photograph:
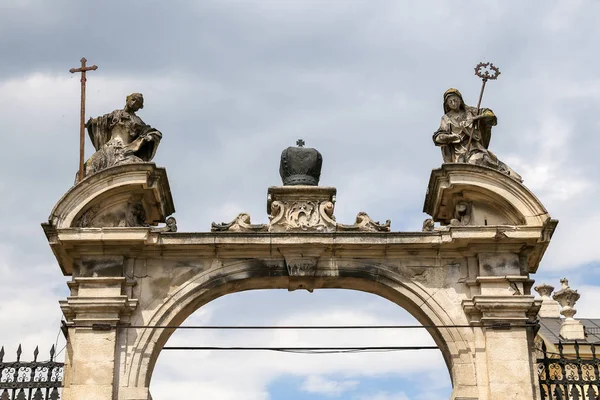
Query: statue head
{"type": "Point", "coordinates": [453, 100]}
{"type": "Point", "coordinates": [134, 101]}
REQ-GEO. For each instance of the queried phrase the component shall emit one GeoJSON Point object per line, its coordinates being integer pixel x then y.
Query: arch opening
{"type": "Point", "coordinates": [262, 375]}
{"type": "Point", "coordinates": [436, 307]}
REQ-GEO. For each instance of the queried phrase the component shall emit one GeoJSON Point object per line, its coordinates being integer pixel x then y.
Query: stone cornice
{"type": "Point", "coordinates": [71, 243]}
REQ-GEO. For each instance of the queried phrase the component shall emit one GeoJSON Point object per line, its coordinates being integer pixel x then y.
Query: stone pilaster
{"type": "Point", "coordinates": [505, 339]}
{"type": "Point", "coordinates": [93, 310]}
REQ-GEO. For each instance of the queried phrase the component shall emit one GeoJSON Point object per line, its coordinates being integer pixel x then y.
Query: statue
{"type": "Point", "coordinates": [464, 134]}
{"type": "Point", "coordinates": [121, 137]}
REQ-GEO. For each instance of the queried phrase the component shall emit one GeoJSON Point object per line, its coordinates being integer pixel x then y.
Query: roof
{"type": "Point", "coordinates": [550, 330]}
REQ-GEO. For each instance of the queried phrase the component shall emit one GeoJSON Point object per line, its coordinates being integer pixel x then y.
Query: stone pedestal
{"type": "Point", "coordinates": [93, 310]}
{"type": "Point", "coordinates": [550, 308]}
{"type": "Point", "coordinates": [301, 208]}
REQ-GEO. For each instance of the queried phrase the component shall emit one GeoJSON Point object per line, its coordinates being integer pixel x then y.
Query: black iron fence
{"type": "Point", "coordinates": [30, 380]}
{"type": "Point", "coordinates": [569, 377]}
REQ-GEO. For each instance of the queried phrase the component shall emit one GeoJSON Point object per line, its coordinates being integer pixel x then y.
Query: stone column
{"type": "Point", "coordinates": [95, 307]}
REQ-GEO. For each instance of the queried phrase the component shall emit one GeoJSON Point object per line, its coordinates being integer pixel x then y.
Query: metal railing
{"type": "Point", "coordinates": [30, 380]}
{"type": "Point", "coordinates": [569, 377]}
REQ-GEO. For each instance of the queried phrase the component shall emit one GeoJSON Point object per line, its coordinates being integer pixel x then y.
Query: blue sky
{"type": "Point", "coordinates": [230, 84]}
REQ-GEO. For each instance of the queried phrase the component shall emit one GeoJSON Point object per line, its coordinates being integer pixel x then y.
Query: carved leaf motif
{"type": "Point", "coordinates": [241, 223]}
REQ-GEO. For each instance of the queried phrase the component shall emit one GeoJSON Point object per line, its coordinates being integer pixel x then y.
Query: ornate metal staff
{"type": "Point", "coordinates": [486, 71]}
{"type": "Point", "coordinates": [83, 69]}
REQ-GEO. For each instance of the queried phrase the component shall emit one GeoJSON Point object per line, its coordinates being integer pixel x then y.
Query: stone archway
{"type": "Point", "coordinates": [469, 277]}
{"type": "Point", "coordinates": [192, 294]}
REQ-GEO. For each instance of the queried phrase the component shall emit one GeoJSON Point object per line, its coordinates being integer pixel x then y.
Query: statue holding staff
{"type": "Point", "coordinates": [121, 137]}
{"type": "Point", "coordinates": [465, 132]}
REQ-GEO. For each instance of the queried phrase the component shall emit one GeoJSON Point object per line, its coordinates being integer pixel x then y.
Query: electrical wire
{"type": "Point", "coordinates": [332, 327]}
{"type": "Point", "coordinates": [305, 350]}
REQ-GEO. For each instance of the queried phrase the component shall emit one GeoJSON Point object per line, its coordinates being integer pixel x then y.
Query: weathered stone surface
{"type": "Point", "coordinates": [241, 223]}
{"type": "Point", "coordinates": [465, 132]}
{"type": "Point", "coordinates": [550, 308]}
{"type": "Point", "coordinates": [567, 297]}
{"type": "Point", "coordinates": [301, 209]}
{"type": "Point", "coordinates": [121, 137]}
{"type": "Point", "coordinates": [468, 282]}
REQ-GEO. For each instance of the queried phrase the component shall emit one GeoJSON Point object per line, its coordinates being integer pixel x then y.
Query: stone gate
{"type": "Point", "coordinates": [466, 275]}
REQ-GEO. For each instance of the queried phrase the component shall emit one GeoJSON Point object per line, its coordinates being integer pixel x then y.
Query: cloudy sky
{"type": "Point", "coordinates": [232, 83]}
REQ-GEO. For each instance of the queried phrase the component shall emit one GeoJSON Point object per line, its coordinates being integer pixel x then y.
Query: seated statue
{"type": "Point", "coordinates": [459, 123]}
{"type": "Point", "coordinates": [121, 137]}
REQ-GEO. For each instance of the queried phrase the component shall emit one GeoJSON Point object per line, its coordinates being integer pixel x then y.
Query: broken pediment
{"type": "Point", "coordinates": [472, 195]}
{"type": "Point", "coordinates": [123, 196]}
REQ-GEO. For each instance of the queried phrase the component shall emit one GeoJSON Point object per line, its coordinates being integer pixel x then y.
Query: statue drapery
{"type": "Point", "coordinates": [121, 137]}
{"type": "Point", "coordinates": [458, 124]}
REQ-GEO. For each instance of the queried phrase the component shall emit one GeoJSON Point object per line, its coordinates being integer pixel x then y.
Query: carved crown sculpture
{"type": "Point", "coordinates": [300, 165]}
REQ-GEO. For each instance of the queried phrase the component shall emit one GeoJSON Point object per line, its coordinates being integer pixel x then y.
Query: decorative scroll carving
{"type": "Point", "coordinates": [302, 215]}
{"type": "Point", "coordinates": [241, 223]}
{"type": "Point", "coordinates": [171, 226]}
{"type": "Point", "coordinates": [301, 208]}
{"type": "Point", "coordinates": [305, 266]}
{"type": "Point", "coordinates": [366, 224]}
{"type": "Point", "coordinates": [428, 225]}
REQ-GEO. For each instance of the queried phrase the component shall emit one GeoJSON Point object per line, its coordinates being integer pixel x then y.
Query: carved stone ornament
{"type": "Point", "coordinates": [302, 215]}
{"type": "Point", "coordinates": [304, 266]}
{"type": "Point", "coordinates": [365, 223]}
{"type": "Point", "coordinates": [544, 290]}
{"type": "Point", "coordinates": [567, 298]}
{"type": "Point", "coordinates": [130, 213]}
{"type": "Point", "coordinates": [462, 214]}
{"type": "Point", "coordinates": [171, 226]}
{"type": "Point", "coordinates": [428, 225]}
{"type": "Point", "coordinates": [301, 208]}
{"type": "Point", "coordinates": [241, 223]}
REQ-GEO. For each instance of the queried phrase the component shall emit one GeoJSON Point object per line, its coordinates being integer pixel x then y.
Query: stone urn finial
{"type": "Point", "coordinates": [300, 165]}
{"type": "Point", "coordinates": [567, 298]}
{"type": "Point", "coordinates": [544, 290]}
{"type": "Point", "coordinates": [550, 308]}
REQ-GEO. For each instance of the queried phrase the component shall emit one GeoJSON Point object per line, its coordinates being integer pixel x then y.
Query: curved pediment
{"type": "Point", "coordinates": [467, 194]}
{"type": "Point", "coordinates": [121, 196]}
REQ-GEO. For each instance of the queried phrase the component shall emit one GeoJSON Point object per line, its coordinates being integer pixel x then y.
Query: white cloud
{"type": "Point", "coordinates": [362, 83]}
{"type": "Point", "coordinates": [328, 387]}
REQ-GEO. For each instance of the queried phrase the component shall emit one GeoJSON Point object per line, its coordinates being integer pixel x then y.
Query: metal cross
{"type": "Point", "coordinates": [300, 143]}
{"type": "Point", "coordinates": [83, 69]}
{"type": "Point", "coordinates": [486, 71]}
